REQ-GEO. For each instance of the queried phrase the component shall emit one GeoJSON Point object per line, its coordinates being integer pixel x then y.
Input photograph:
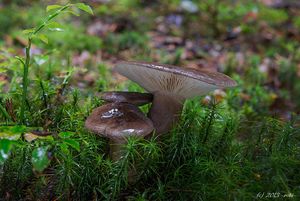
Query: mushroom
{"type": "Point", "coordinates": [134, 98]}
{"type": "Point", "coordinates": [118, 121]}
{"type": "Point", "coordinates": [171, 86]}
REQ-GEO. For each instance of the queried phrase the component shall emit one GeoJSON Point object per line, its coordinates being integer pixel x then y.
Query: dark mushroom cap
{"type": "Point", "coordinates": [173, 80]}
{"type": "Point", "coordinates": [118, 121]}
{"type": "Point", "coordinates": [127, 97]}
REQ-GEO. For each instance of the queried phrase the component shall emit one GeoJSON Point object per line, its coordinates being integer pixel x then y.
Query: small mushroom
{"type": "Point", "coordinates": [134, 98]}
{"type": "Point", "coordinates": [171, 86]}
{"type": "Point", "coordinates": [118, 121]}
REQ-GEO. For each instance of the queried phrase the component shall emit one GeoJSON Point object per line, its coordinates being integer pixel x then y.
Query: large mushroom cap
{"type": "Point", "coordinates": [118, 121]}
{"type": "Point", "coordinates": [184, 82]}
{"type": "Point", "coordinates": [127, 97]}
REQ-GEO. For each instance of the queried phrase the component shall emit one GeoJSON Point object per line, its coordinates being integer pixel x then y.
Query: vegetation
{"type": "Point", "coordinates": [243, 144]}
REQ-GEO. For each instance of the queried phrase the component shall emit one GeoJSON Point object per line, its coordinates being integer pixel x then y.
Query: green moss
{"type": "Point", "coordinates": [232, 150]}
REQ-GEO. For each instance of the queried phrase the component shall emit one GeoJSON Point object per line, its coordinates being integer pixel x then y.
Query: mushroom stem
{"type": "Point", "coordinates": [165, 111]}
{"type": "Point", "coordinates": [116, 152]}
{"type": "Point", "coordinates": [116, 149]}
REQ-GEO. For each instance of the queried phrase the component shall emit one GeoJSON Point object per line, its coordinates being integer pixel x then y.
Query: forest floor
{"type": "Point", "coordinates": [241, 143]}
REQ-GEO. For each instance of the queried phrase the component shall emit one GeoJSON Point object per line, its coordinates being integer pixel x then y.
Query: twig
{"type": "Point", "coordinates": [43, 133]}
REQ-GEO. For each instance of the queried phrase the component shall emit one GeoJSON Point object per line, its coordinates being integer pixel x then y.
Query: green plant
{"type": "Point", "coordinates": [233, 150]}
{"type": "Point", "coordinates": [35, 33]}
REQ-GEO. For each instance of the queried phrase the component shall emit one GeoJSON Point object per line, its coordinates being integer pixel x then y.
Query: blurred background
{"type": "Point", "coordinates": [254, 41]}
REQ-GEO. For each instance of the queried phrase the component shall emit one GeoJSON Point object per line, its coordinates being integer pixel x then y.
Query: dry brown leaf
{"type": "Point", "coordinates": [29, 137]}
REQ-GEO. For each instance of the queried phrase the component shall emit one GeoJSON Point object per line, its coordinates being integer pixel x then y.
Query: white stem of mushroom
{"type": "Point", "coordinates": [165, 111]}
{"type": "Point", "coordinates": [117, 149]}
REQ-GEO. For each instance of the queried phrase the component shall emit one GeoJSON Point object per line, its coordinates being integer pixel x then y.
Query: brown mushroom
{"type": "Point", "coordinates": [134, 98]}
{"type": "Point", "coordinates": [118, 121]}
{"type": "Point", "coordinates": [171, 86]}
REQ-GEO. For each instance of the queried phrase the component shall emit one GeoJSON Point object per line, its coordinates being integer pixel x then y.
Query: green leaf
{"type": "Point", "coordinates": [20, 59]}
{"type": "Point", "coordinates": [85, 8]}
{"type": "Point", "coordinates": [54, 26]}
{"type": "Point", "coordinates": [40, 158]}
{"type": "Point", "coordinates": [64, 148]}
{"type": "Point", "coordinates": [72, 12]}
{"type": "Point", "coordinates": [2, 69]}
{"type": "Point", "coordinates": [9, 135]}
{"type": "Point", "coordinates": [73, 144]}
{"type": "Point", "coordinates": [41, 59]}
{"type": "Point", "coordinates": [65, 134]}
{"type": "Point", "coordinates": [43, 38]}
{"type": "Point", "coordinates": [11, 132]}
{"type": "Point", "coordinates": [52, 7]}
{"type": "Point", "coordinates": [18, 129]}
{"type": "Point", "coordinates": [2, 109]}
{"type": "Point", "coordinates": [49, 137]}
{"type": "Point", "coordinates": [5, 147]}
{"type": "Point", "coordinates": [28, 31]}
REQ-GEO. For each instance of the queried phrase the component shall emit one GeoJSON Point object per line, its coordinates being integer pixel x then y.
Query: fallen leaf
{"type": "Point", "coordinates": [29, 137]}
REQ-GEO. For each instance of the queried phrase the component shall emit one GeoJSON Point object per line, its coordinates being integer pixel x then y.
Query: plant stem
{"type": "Point", "coordinates": [25, 80]}
{"type": "Point", "coordinates": [210, 123]}
{"type": "Point", "coordinates": [50, 17]}
{"type": "Point", "coordinates": [27, 60]}
{"type": "Point", "coordinates": [43, 94]}
{"type": "Point", "coordinates": [4, 112]}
